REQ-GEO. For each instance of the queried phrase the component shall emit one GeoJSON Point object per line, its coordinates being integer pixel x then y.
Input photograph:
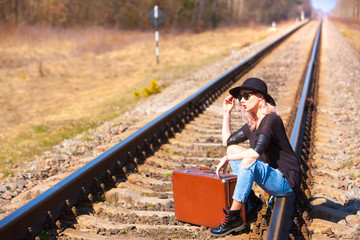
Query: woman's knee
{"type": "Point", "coordinates": [233, 149]}
{"type": "Point", "coordinates": [247, 162]}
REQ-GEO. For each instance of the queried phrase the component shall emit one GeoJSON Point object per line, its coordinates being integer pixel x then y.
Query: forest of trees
{"type": "Point", "coordinates": [347, 9]}
{"type": "Point", "coordinates": [132, 14]}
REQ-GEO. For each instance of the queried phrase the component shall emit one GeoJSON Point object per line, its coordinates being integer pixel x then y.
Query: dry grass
{"type": "Point", "coordinates": [57, 83]}
{"type": "Point", "coordinates": [351, 32]}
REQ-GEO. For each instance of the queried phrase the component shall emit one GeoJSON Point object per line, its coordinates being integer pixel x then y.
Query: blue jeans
{"type": "Point", "coordinates": [268, 178]}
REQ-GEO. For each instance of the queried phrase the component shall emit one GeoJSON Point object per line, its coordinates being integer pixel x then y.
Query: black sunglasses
{"type": "Point", "coordinates": [246, 95]}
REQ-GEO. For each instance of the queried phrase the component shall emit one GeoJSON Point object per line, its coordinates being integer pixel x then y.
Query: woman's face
{"type": "Point", "coordinates": [249, 101]}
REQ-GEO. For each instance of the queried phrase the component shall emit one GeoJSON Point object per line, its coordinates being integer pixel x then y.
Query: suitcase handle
{"type": "Point", "coordinates": [224, 177]}
{"type": "Point", "coordinates": [209, 170]}
{"type": "Point", "coordinates": [201, 171]}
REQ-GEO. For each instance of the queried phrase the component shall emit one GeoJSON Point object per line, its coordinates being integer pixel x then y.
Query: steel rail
{"type": "Point", "coordinates": [280, 222]}
{"type": "Point", "coordinates": [30, 218]}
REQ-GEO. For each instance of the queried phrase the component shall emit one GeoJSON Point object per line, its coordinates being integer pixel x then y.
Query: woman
{"type": "Point", "coordinates": [270, 161]}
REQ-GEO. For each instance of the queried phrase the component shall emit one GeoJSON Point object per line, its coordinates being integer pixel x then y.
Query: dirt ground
{"type": "Point", "coordinates": [57, 75]}
{"type": "Point", "coordinates": [58, 82]}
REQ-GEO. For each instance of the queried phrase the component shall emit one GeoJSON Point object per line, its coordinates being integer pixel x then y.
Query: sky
{"type": "Point", "coordinates": [325, 5]}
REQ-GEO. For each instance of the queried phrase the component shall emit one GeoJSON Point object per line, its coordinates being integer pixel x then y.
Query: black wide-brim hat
{"type": "Point", "coordinates": [256, 85]}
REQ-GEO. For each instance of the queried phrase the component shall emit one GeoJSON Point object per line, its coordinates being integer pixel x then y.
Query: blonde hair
{"type": "Point", "coordinates": [265, 108]}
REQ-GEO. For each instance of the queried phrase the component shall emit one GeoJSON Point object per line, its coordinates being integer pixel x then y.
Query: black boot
{"type": "Point", "coordinates": [232, 222]}
{"type": "Point", "coordinates": [253, 205]}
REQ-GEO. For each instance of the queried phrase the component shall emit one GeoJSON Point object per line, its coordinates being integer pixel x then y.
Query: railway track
{"type": "Point", "coordinates": [130, 196]}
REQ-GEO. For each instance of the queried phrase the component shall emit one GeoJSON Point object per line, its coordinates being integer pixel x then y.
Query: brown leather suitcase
{"type": "Point", "coordinates": [200, 196]}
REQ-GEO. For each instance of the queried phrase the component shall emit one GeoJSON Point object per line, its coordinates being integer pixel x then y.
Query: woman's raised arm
{"type": "Point", "coordinates": [228, 105]}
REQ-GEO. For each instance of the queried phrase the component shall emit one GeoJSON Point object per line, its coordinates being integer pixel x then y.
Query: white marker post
{"type": "Point", "coordinates": [302, 15]}
{"type": "Point", "coordinates": [156, 16]}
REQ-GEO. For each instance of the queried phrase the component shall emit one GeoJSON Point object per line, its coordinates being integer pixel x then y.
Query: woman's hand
{"type": "Point", "coordinates": [229, 103]}
{"type": "Point", "coordinates": [222, 165]}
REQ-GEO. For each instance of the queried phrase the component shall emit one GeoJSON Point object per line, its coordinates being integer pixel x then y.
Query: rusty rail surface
{"type": "Point", "coordinates": [30, 218]}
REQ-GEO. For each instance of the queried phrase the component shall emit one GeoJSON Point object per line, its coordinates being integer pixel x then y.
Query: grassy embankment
{"type": "Point", "coordinates": [58, 83]}
{"type": "Point", "coordinates": [351, 32]}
